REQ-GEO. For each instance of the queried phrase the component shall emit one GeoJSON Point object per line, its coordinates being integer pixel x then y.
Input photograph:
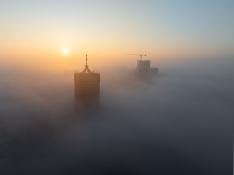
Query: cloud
{"type": "Point", "coordinates": [181, 121]}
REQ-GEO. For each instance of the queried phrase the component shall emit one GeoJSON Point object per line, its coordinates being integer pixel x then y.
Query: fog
{"type": "Point", "coordinates": [179, 122]}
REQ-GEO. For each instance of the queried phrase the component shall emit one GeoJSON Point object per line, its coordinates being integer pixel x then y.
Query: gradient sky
{"type": "Point", "coordinates": [32, 28]}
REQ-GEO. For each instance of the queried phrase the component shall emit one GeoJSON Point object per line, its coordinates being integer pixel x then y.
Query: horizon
{"type": "Point", "coordinates": [110, 29]}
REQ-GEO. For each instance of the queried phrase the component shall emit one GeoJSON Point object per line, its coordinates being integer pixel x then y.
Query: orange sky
{"type": "Point", "coordinates": [36, 32]}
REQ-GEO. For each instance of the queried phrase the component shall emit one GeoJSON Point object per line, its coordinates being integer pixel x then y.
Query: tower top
{"type": "Point", "coordinates": [86, 59]}
{"type": "Point", "coordinates": [86, 69]}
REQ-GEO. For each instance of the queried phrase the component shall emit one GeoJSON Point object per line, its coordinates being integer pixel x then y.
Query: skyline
{"type": "Point", "coordinates": [139, 87]}
{"type": "Point", "coordinates": [113, 29]}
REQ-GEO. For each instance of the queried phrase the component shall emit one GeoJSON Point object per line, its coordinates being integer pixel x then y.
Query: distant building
{"type": "Point", "coordinates": [87, 83]}
{"type": "Point", "coordinates": [144, 67]}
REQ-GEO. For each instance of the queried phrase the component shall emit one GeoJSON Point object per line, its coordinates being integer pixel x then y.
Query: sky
{"type": "Point", "coordinates": [113, 29]}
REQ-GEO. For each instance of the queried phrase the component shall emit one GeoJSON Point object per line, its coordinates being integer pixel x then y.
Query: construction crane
{"type": "Point", "coordinates": [140, 55]}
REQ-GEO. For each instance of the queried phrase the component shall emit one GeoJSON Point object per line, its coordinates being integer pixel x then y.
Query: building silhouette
{"type": "Point", "coordinates": [144, 68]}
{"type": "Point", "coordinates": [143, 65]}
{"type": "Point", "coordinates": [87, 83]}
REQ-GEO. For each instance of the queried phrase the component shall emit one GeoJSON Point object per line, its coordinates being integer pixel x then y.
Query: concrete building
{"type": "Point", "coordinates": [87, 83]}
{"type": "Point", "coordinates": [143, 65]}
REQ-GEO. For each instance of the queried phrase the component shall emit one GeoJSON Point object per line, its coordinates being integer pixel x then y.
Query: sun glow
{"type": "Point", "coordinates": [65, 51]}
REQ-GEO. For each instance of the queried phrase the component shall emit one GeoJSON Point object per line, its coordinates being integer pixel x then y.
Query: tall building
{"type": "Point", "coordinates": [87, 83]}
{"type": "Point", "coordinates": [143, 65]}
{"type": "Point", "coordinates": [144, 68]}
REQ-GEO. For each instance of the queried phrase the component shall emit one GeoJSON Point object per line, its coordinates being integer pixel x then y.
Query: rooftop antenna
{"type": "Point", "coordinates": [86, 69]}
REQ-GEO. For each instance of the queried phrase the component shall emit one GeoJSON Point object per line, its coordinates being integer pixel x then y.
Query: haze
{"type": "Point", "coordinates": [179, 122]}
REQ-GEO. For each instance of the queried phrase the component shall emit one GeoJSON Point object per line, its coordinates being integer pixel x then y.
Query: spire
{"type": "Point", "coordinates": [86, 69]}
{"type": "Point", "coordinates": [86, 56]}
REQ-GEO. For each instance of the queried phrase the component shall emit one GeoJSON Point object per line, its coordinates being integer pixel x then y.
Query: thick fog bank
{"type": "Point", "coordinates": [180, 122]}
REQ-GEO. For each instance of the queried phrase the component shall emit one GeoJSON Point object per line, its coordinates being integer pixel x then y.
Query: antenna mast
{"type": "Point", "coordinates": [86, 69]}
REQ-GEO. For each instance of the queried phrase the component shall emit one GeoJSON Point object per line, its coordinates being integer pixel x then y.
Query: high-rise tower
{"type": "Point", "coordinates": [87, 83]}
{"type": "Point", "coordinates": [143, 66]}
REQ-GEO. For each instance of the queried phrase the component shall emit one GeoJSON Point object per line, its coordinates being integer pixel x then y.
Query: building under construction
{"type": "Point", "coordinates": [144, 67]}
{"type": "Point", "coordinates": [87, 83]}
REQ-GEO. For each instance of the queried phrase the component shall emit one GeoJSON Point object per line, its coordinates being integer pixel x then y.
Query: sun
{"type": "Point", "coordinates": [65, 51]}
